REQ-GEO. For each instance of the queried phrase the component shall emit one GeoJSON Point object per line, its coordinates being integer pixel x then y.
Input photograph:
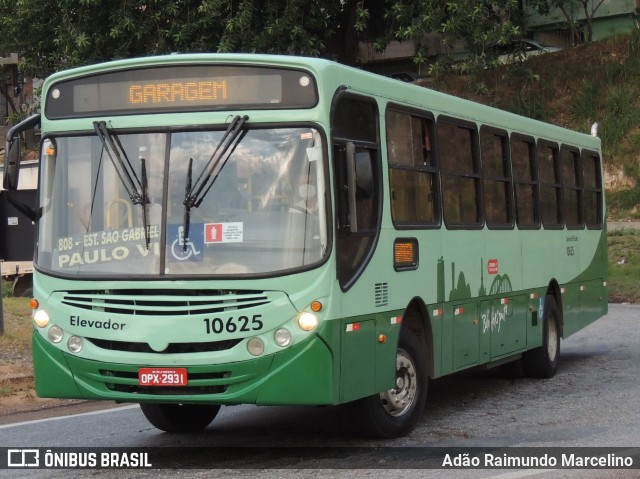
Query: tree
{"type": "Point", "coordinates": [477, 23]}
{"type": "Point", "coordinates": [54, 34]}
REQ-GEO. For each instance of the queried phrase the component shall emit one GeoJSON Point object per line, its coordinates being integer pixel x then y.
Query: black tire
{"type": "Point", "coordinates": [376, 416]}
{"type": "Point", "coordinates": [22, 287]}
{"type": "Point", "coordinates": [542, 362]}
{"type": "Point", "coordinates": [180, 417]}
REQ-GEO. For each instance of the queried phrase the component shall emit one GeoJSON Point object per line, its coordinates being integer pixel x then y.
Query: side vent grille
{"type": "Point", "coordinates": [381, 294]}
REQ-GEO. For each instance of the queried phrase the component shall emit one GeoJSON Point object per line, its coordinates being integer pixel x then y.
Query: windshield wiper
{"type": "Point", "coordinates": [121, 163]}
{"type": "Point", "coordinates": [145, 197]}
{"type": "Point", "coordinates": [186, 220]}
{"type": "Point", "coordinates": [195, 194]}
{"type": "Point", "coordinates": [136, 189]}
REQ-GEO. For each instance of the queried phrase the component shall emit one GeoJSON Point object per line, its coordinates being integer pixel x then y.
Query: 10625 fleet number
{"type": "Point", "coordinates": [240, 324]}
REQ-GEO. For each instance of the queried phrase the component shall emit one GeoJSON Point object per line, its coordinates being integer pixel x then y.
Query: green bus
{"type": "Point", "coordinates": [226, 229]}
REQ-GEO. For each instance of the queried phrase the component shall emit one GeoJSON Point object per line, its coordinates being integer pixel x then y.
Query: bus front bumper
{"type": "Point", "coordinates": [300, 374]}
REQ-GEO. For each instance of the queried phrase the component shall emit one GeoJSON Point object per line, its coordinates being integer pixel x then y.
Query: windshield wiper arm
{"type": "Point", "coordinates": [195, 194]}
{"type": "Point", "coordinates": [137, 189]}
{"type": "Point", "coordinates": [145, 200]}
{"type": "Point", "coordinates": [186, 221]}
{"type": "Point", "coordinates": [223, 151]}
{"type": "Point", "coordinates": [121, 163]}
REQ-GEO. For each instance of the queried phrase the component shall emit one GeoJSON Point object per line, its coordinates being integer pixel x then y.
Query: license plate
{"type": "Point", "coordinates": [162, 376]}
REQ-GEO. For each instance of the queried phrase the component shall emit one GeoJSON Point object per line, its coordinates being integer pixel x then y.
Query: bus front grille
{"type": "Point", "coordinates": [157, 302]}
{"type": "Point", "coordinates": [172, 348]}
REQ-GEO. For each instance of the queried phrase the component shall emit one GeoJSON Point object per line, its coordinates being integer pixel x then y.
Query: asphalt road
{"type": "Point", "coordinates": [592, 402]}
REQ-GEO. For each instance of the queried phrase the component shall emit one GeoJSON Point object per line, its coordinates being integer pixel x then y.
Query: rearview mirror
{"type": "Point", "coordinates": [12, 163]}
{"type": "Point", "coordinates": [12, 151]}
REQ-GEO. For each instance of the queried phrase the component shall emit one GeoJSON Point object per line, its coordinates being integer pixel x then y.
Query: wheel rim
{"type": "Point", "coordinates": [398, 401]}
{"type": "Point", "coordinates": [552, 339]}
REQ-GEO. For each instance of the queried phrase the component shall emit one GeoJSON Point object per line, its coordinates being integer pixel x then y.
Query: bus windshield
{"type": "Point", "coordinates": [121, 203]}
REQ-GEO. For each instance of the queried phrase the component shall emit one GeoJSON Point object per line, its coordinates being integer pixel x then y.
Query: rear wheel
{"type": "Point", "coordinates": [395, 412]}
{"type": "Point", "coordinates": [180, 417]}
{"type": "Point", "coordinates": [542, 362]}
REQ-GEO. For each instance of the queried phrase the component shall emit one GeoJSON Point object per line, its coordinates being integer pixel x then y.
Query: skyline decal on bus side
{"type": "Point", "coordinates": [462, 290]}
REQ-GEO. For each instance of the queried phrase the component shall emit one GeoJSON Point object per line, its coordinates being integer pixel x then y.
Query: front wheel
{"type": "Point", "coordinates": [542, 362]}
{"type": "Point", "coordinates": [180, 417]}
{"type": "Point", "coordinates": [395, 412]}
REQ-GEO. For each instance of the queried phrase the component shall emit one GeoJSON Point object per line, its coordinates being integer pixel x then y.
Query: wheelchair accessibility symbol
{"type": "Point", "coordinates": [189, 249]}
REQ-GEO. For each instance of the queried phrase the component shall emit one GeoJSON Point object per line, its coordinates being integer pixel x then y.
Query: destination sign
{"type": "Point", "coordinates": [181, 88]}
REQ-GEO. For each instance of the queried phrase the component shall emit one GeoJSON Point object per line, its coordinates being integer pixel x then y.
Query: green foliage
{"type": "Point", "coordinates": [55, 34]}
{"type": "Point", "coordinates": [624, 203]}
{"type": "Point", "coordinates": [620, 115]}
{"type": "Point", "coordinates": [534, 95]}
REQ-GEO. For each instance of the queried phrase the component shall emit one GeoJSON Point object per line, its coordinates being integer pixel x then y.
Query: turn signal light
{"type": "Point", "coordinates": [405, 254]}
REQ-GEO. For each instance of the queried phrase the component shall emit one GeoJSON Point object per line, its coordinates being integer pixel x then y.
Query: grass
{"type": "Point", "coordinates": [6, 391]}
{"type": "Point", "coordinates": [16, 340]}
{"type": "Point", "coordinates": [624, 266]}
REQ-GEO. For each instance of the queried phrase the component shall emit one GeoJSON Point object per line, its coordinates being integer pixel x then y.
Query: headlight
{"type": "Point", "coordinates": [55, 334]}
{"type": "Point", "coordinates": [41, 318]}
{"type": "Point", "coordinates": [75, 344]}
{"type": "Point", "coordinates": [307, 321]}
{"type": "Point", "coordinates": [255, 346]}
{"type": "Point", "coordinates": [282, 337]}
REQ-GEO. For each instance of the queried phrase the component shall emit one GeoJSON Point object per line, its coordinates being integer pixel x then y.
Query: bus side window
{"type": "Point", "coordinates": [496, 178]}
{"type": "Point", "coordinates": [571, 187]}
{"type": "Point", "coordinates": [460, 174]}
{"type": "Point", "coordinates": [592, 189]}
{"type": "Point", "coordinates": [550, 185]}
{"type": "Point", "coordinates": [412, 170]}
{"type": "Point", "coordinates": [525, 177]}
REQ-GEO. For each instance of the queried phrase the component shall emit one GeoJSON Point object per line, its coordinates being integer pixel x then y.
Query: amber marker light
{"type": "Point", "coordinates": [405, 254]}
{"type": "Point", "coordinates": [316, 306]}
{"type": "Point", "coordinates": [34, 304]}
{"type": "Point", "coordinates": [382, 339]}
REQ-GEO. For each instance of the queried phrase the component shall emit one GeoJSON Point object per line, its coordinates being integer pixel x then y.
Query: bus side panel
{"type": "Point", "coordinates": [368, 354]}
{"type": "Point", "coordinates": [462, 252]}
{"type": "Point", "coordinates": [506, 322]}
{"type": "Point", "coordinates": [593, 301]}
{"type": "Point", "coordinates": [593, 291]}
{"type": "Point", "coordinates": [466, 333]}
{"type": "Point", "coordinates": [536, 254]}
{"type": "Point", "coordinates": [571, 320]}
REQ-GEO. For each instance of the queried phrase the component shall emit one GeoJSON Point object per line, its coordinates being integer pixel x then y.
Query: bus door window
{"type": "Point", "coordinates": [356, 165]}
